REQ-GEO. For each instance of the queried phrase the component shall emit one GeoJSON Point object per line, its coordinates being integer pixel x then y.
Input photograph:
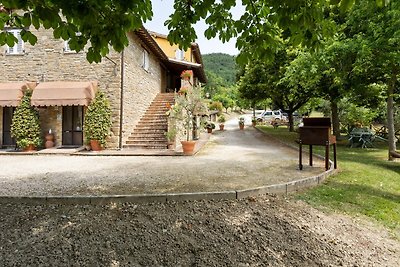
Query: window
{"type": "Point", "coordinates": [145, 63]}
{"type": "Point", "coordinates": [18, 48]}
{"type": "Point", "coordinates": [179, 54]}
{"type": "Point", "coordinates": [66, 47]}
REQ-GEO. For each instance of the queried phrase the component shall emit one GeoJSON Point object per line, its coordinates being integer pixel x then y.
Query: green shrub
{"type": "Point", "coordinates": [221, 118]}
{"type": "Point", "coordinates": [97, 121]}
{"type": "Point", "coordinates": [25, 126]}
{"type": "Point", "coordinates": [216, 105]}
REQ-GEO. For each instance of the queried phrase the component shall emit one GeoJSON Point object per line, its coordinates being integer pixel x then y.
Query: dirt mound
{"type": "Point", "coordinates": [264, 231]}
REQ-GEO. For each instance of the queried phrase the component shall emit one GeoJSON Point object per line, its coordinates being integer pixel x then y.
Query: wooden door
{"type": "Point", "coordinates": [72, 122]}
{"type": "Point", "coordinates": [8, 112]}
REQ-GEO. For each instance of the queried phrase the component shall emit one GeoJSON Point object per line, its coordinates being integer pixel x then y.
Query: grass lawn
{"type": "Point", "coordinates": [367, 183]}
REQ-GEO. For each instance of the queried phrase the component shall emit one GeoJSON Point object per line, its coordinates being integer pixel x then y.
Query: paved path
{"type": "Point", "coordinates": [231, 160]}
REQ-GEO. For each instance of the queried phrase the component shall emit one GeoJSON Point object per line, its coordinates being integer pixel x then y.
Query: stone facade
{"type": "Point", "coordinates": [140, 86]}
{"type": "Point", "coordinates": [47, 61]}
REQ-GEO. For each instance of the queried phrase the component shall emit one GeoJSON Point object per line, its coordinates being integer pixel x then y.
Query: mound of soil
{"type": "Point", "coordinates": [263, 231]}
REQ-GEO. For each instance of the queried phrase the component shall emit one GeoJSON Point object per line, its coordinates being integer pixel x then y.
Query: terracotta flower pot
{"type": "Point", "coordinates": [241, 126]}
{"type": "Point", "coordinates": [209, 130]}
{"type": "Point", "coordinates": [254, 123]}
{"type": "Point", "coordinates": [29, 148]}
{"type": "Point", "coordinates": [49, 140]}
{"type": "Point", "coordinates": [221, 127]}
{"type": "Point", "coordinates": [95, 145]}
{"type": "Point", "coordinates": [188, 147]}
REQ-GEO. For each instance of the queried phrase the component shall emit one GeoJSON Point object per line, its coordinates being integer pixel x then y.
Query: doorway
{"type": "Point", "coordinates": [72, 122]}
{"type": "Point", "coordinates": [8, 113]}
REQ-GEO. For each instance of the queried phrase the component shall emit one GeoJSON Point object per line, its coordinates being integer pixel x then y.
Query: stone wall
{"type": "Point", "coordinates": [47, 61]}
{"type": "Point", "coordinates": [140, 85]}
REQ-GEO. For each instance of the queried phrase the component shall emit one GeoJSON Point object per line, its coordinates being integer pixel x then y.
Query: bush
{"type": "Point", "coordinates": [97, 122]}
{"type": "Point", "coordinates": [221, 118]}
{"type": "Point", "coordinates": [216, 105]}
{"type": "Point", "coordinates": [25, 126]}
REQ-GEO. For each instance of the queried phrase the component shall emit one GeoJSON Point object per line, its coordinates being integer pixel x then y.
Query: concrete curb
{"type": "Point", "coordinates": [285, 188]}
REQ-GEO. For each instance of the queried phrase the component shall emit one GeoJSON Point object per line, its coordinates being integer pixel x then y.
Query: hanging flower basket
{"type": "Point", "coordinates": [186, 74]}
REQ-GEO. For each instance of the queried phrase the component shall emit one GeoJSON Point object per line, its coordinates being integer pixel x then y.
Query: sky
{"type": "Point", "coordinates": [161, 11]}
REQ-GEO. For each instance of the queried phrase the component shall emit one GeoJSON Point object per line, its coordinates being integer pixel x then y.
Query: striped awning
{"type": "Point", "coordinates": [64, 93]}
{"type": "Point", "coordinates": [12, 92]}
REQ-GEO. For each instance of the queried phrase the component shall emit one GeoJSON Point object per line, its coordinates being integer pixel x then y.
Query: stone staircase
{"type": "Point", "coordinates": [149, 132]}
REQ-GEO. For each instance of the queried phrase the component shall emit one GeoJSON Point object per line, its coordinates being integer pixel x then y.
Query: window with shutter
{"type": "Point", "coordinates": [179, 54]}
{"type": "Point", "coordinates": [18, 48]}
{"type": "Point", "coordinates": [145, 63]}
{"type": "Point", "coordinates": [66, 46]}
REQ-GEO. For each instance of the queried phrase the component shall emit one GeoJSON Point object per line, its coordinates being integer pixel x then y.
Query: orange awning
{"type": "Point", "coordinates": [11, 93]}
{"type": "Point", "coordinates": [63, 93]}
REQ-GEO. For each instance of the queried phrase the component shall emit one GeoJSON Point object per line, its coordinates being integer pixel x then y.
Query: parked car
{"type": "Point", "coordinates": [270, 115]}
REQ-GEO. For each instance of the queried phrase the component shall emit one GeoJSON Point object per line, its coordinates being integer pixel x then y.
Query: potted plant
{"type": "Point", "coordinates": [97, 123]}
{"type": "Point", "coordinates": [186, 74]}
{"type": "Point", "coordinates": [241, 123]}
{"type": "Point", "coordinates": [25, 125]}
{"type": "Point", "coordinates": [171, 135]}
{"type": "Point", "coordinates": [253, 121]}
{"type": "Point", "coordinates": [184, 111]}
{"type": "Point", "coordinates": [209, 126]}
{"type": "Point", "coordinates": [221, 120]}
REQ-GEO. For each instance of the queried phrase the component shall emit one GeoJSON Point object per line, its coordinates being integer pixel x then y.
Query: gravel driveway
{"type": "Point", "coordinates": [231, 160]}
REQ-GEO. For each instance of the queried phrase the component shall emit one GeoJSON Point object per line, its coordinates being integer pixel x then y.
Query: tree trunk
{"type": "Point", "coordinates": [390, 117]}
{"type": "Point", "coordinates": [291, 123]}
{"type": "Point", "coordinates": [335, 119]}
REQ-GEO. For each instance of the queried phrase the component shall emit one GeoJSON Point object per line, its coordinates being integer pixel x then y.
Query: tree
{"type": "Point", "coordinates": [376, 31]}
{"type": "Point", "coordinates": [100, 23]}
{"type": "Point", "coordinates": [106, 23]}
{"type": "Point", "coordinates": [252, 85]}
{"type": "Point", "coordinates": [298, 83]}
{"type": "Point", "coordinates": [335, 63]}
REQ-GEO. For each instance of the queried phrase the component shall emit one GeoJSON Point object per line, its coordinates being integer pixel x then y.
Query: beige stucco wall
{"type": "Point", "coordinates": [140, 86]}
{"type": "Point", "coordinates": [47, 61]}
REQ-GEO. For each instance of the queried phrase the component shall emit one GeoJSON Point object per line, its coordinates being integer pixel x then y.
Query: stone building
{"type": "Point", "coordinates": [66, 83]}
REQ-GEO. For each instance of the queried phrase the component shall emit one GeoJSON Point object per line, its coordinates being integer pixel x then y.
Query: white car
{"type": "Point", "coordinates": [270, 115]}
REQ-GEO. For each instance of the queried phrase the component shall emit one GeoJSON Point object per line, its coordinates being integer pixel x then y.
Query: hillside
{"type": "Point", "coordinates": [222, 65]}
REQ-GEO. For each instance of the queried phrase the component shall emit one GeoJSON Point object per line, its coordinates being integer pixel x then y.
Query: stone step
{"type": "Point", "coordinates": [151, 123]}
{"type": "Point", "coordinates": [160, 138]}
{"type": "Point", "coordinates": [146, 142]}
{"type": "Point", "coordinates": [154, 118]}
{"type": "Point", "coordinates": [151, 126]}
{"type": "Point", "coordinates": [147, 146]}
{"type": "Point", "coordinates": [149, 133]}
{"type": "Point", "coordinates": [155, 115]}
{"type": "Point", "coordinates": [161, 112]}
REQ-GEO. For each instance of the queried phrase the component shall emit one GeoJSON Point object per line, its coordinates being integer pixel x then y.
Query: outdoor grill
{"type": "Point", "coordinates": [317, 131]}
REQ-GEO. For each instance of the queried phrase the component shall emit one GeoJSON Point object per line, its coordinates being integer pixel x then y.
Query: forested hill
{"type": "Point", "coordinates": [222, 65]}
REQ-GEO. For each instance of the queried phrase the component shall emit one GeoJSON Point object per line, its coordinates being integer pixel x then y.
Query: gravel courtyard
{"type": "Point", "coordinates": [231, 160]}
{"type": "Point", "coordinates": [257, 231]}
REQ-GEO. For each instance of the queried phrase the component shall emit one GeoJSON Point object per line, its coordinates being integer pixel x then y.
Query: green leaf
{"type": "Point", "coordinates": [346, 5]}
{"type": "Point", "coordinates": [26, 20]}
{"type": "Point", "coordinates": [11, 40]}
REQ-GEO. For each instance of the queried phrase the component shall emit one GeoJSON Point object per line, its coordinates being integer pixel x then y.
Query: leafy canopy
{"type": "Point", "coordinates": [104, 24]}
